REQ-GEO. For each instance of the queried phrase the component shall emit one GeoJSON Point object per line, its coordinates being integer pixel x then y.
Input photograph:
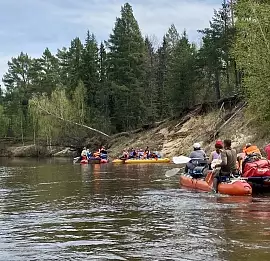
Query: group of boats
{"type": "Point", "coordinates": [255, 173]}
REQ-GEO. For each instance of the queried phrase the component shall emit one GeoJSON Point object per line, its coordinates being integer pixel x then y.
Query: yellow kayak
{"type": "Point", "coordinates": [136, 161]}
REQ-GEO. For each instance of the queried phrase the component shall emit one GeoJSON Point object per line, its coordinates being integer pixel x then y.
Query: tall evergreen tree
{"type": "Point", "coordinates": [149, 84]}
{"type": "Point", "coordinates": [172, 38]}
{"type": "Point", "coordinates": [104, 91]}
{"type": "Point", "coordinates": [89, 70]}
{"type": "Point", "coordinates": [63, 60]}
{"type": "Point", "coordinates": [125, 70]}
{"type": "Point", "coordinates": [74, 65]}
{"type": "Point", "coordinates": [182, 75]}
{"type": "Point", "coordinates": [161, 76]}
{"type": "Point", "coordinates": [18, 78]}
{"type": "Point", "coordinates": [49, 72]}
{"type": "Point", "coordinates": [215, 52]}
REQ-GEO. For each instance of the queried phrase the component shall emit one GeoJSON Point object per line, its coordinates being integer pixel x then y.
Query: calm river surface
{"type": "Point", "coordinates": [54, 210]}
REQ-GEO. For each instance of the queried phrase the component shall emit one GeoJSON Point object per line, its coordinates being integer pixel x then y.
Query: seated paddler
{"type": "Point", "coordinates": [227, 166]}
{"type": "Point", "coordinates": [197, 156]}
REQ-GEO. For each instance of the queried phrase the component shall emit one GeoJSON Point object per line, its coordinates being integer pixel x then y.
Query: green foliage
{"type": "Point", "coordinates": [128, 81]}
{"type": "Point", "coordinates": [4, 122]}
{"type": "Point", "coordinates": [182, 74]}
{"type": "Point", "coordinates": [51, 115]}
{"type": "Point", "coordinates": [215, 61]}
{"type": "Point", "coordinates": [252, 52]}
{"type": "Point", "coordinates": [125, 71]}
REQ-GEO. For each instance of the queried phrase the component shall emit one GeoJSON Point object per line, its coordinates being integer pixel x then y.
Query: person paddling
{"type": "Point", "coordinates": [196, 154]}
{"type": "Point", "coordinates": [227, 165]}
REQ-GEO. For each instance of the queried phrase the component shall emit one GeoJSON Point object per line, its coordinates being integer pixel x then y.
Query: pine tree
{"type": "Point", "coordinates": [48, 71]}
{"type": "Point", "coordinates": [74, 65]}
{"type": "Point", "coordinates": [150, 84]}
{"type": "Point", "coordinates": [215, 52]}
{"type": "Point", "coordinates": [18, 78]}
{"type": "Point", "coordinates": [161, 76]}
{"type": "Point", "coordinates": [89, 70]}
{"type": "Point", "coordinates": [182, 75]}
{"type": "Point", "coordinates": [63, 60]}
{"type": "Point", "coordinates": [125, 71]}
{"type": "Point", "coordinates": [172, 38]}
{"type": "Point", "coordinates": [104, 91]}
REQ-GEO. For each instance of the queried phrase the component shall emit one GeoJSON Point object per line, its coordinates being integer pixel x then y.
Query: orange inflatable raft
{"type": "Point", "coordinates": [233, 187]}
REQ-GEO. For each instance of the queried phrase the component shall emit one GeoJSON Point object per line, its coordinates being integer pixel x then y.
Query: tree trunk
{"type": "Point", "coordinates": [217, 85]}
{"type": "Point", "coordinates": [22, 130]}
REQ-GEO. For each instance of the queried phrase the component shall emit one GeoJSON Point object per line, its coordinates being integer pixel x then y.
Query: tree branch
{"type": "Point", "coordinates": [69, 121]}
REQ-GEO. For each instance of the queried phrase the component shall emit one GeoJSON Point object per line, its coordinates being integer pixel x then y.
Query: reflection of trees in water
{"type": "Point", "coordinates": [127, 205]}
{"type": "Point", "coordinates": [246, 230]}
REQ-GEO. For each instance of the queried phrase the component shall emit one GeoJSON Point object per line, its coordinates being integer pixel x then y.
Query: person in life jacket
{"type": "Point", "coordinates": [251, 149]}
{"type": "Point", "coordinates": [146, 153]}
{"type": "Point", "coordinates": [227, 165]}
{"type": "Point", "coordinates": [252, 152]}
{"type": "Point", "coordinates": [196, 155]}
{"type": "Point", "coordinates": [103, 153]}
{"type": "Point", "coordinates": [216, 154]}
{"type": "Point", "coordinates": [88, 154]}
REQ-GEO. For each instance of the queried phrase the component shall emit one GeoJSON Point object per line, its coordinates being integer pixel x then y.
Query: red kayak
{"type": "Point", "coordinates": [93, 160]}
{"type": "Point", "coordinates": [233, 187]}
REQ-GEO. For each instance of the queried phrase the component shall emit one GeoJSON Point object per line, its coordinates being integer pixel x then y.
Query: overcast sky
{"type": "Point", "coordinates": [32, 25]}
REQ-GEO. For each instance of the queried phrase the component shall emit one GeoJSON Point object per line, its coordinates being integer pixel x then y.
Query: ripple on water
{"type": "Point", "coordinates": [122, 213]}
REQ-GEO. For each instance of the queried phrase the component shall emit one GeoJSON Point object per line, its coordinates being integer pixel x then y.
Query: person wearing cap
{"type": "Point", "coordinates": [227, 165]}
{"type": "Point", "coordinates": [216, 154]}
{"type": "Point", "coordinates": [197, 153]}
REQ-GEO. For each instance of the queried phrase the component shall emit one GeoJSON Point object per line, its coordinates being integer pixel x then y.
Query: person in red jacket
{"type": "Point", "coordinates": [267, 150]}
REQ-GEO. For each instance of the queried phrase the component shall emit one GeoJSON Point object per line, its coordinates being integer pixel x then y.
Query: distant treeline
{"type": "Point", "coordinates": [124, 82]}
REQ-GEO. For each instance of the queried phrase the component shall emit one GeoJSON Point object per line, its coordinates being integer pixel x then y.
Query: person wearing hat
{"type": "Point", "coordinates": [197, 154]}
{"type": "Point", "coordinates": [216, 154]}
{"type": "Point", "coordinates": [227, 165]}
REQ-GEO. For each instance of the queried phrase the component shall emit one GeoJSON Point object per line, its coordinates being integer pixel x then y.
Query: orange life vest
{"type": "Point", "coordinates": [251, 149]}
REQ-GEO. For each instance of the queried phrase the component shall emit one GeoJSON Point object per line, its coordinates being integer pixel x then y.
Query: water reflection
{"type": "Point", "coordinates": [60, 211]}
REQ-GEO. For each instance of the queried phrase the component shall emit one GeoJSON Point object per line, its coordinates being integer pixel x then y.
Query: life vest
{"type": "Point", "coordinates": [251, 150]}
{"type": "Point", "coordinates": [96, 154]}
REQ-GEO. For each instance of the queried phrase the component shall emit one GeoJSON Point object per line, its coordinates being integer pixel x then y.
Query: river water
{"type": "Point", "coordinates": [54, 210]}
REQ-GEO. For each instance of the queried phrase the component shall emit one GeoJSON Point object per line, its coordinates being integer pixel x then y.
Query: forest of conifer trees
{"type": "Point", "coordinates": [126, 81]}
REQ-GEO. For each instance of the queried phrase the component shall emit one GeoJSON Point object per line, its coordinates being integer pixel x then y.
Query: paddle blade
{"type": "Point", "coordinates": [181, 160]}
{"type": "Point", "coordinates": [172, 172]}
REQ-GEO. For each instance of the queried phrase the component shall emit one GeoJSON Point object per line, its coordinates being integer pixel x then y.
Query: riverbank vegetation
{"type": "Point", "coordinates": [129, 81]}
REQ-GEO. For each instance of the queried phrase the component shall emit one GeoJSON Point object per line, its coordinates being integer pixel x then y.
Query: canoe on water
{"type": "Point", "coordinates": [92, 160]}
{"type": "Point", "coordinates": [138, 161]}
{"type": "Point", "coordinates": [233, 186]}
